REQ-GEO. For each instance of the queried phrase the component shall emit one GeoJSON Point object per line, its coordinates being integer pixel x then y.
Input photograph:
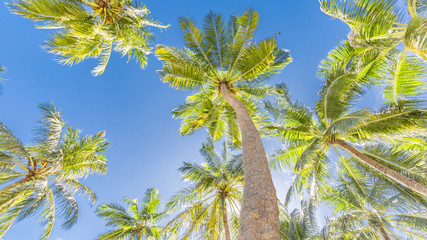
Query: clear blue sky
{"type": "Point", "coordinates": [133, 106]}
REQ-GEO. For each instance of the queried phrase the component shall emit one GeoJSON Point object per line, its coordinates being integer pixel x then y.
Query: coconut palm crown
{"type": "Point", "coordinates": [44, 177]}
{"type": "Point", "coordinates": [212, 202]}
{"type": "Point", "coordinates": [92, 28]}
{"type": "Point", "coordinates": [138, 221]}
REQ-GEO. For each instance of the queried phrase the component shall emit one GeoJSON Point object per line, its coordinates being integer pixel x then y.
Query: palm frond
{"type": "Point", "coordinates": [10, 144]}
{"type": "Point", "coordinates": [242, 37]}
{"type": "Point", "coordinates": [404, 76]}
{"type": "Point", "coordinates": [215, 30]}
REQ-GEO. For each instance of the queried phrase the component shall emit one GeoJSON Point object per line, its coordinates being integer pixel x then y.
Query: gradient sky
{"type": "Point", "coordinates": [134, 107]}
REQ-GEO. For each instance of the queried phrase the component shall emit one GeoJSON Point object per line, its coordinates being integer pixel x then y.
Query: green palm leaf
{"type": "Point", "coordinates": [404, 76]}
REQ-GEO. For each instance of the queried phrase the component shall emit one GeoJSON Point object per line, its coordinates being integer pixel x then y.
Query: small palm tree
{"type": "Point", "coordinates": [224, 60]}
{"type": "Point", "coordinates": [137, 222]}
{"type": "Point", "coordinates": [381, 24]}
{"type": "Point", "coordinates": [92, 28]}
{"type": "Point", "coordinates": [297, 224]}
{"type": "Point", "coordinates": [215, 193]}
{"type": "Point", "coordinates": [365, 207]}
{"type": "Point", "coordinates": [39, 178]}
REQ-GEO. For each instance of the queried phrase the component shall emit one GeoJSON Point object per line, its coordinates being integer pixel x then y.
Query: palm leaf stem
{"type": "Point", "coordinates": [385, 235]}
{"type": "Point", "coordinates": [89, 3]}
{"type": "Point", "coordinates": [396, 73]}
{"type": "Point", "coordinates": [20, 165]}
{"type": "Point", "coordinates": [400, 229]}
{"type": "Point", "coordinates": [400, 24]}
{"type": "Point", "coordinates": [384, 118]}
{"type": "Point", "coordinates": [387, 36]}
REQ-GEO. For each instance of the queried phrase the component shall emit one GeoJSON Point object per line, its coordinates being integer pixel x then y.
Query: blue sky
{"type": "Point", "coordinates": [134, 107]}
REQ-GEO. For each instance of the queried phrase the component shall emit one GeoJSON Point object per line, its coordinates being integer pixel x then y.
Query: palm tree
{"type": "Point", "coordinates": [138, 221]}
{"type": "Point", "coordinates": [92, 28]}
{"type": "Point", "coordinates": [224, 58]}
{"type": "Point", "coordinates": [297, 224]}
{"type": "Point", "coordinates": [42, 177]}
{"type": "Point", "coordinates": [309, 136]}
{"type": "Point", "coordinates": [381, 24]}
{"type": "Point", "coordinates": [348, 71]}
{"type": "Point", "coordinates": [365, 207]}
{"type": "Point", "coordinates": [215, 193]}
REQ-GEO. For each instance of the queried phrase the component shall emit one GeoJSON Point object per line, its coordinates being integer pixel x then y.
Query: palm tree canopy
{"type": "Point", "coordinates": [43, 177]}
{"type": "Point", "coordinates": [365, 207]}
{"type": "Point", "coordinates": [137, 221]}
{"type": "Point", "coordinates": [92, 28]}
{"type": "Point", "coordinates": [382, 24]}
{"type": "Point", "coordinates": [215, 183]}
{"type": "Point", "coordinates": [220, 53]}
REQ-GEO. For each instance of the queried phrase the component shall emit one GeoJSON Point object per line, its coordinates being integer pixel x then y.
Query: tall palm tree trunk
{"type": "Point", "coordinates": [405, 181]}
{"type": "Point", "coordinates": [259, 215]}
{"type": "Point", "coordinates": [225, 220]}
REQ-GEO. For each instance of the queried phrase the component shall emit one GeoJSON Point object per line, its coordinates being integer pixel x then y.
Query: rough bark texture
{"type": "Point", "coordinates": [225, 220]}
{"type": "Point", "coordinates": [405, 181]}
{"type": "Point", "coordinates": [259, 215]}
